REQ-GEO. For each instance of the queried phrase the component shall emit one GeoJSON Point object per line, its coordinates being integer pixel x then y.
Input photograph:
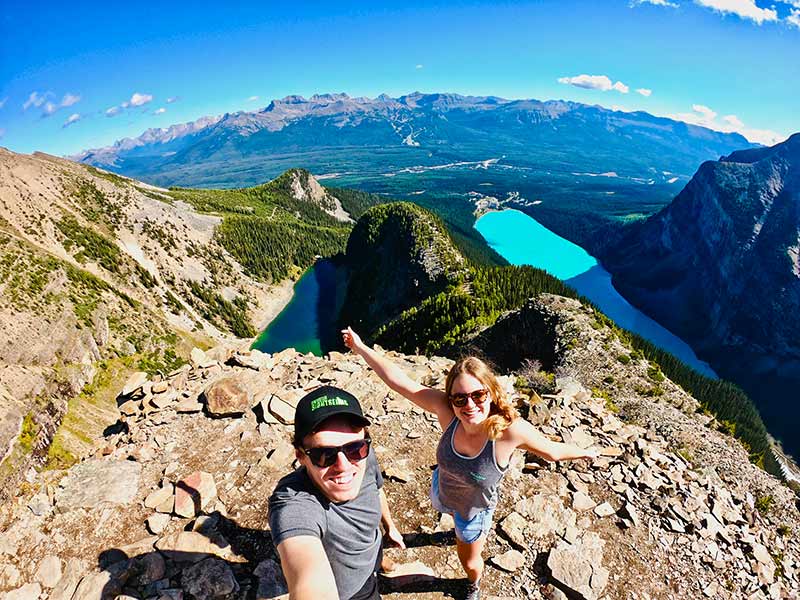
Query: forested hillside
{"type": "Point", "coordinates": [464, 298]}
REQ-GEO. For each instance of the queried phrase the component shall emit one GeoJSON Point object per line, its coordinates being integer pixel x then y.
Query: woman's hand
{"type": "Point", "coordinates": [591, 453]}
{"type": "Point", "coordinates": [352, 340]}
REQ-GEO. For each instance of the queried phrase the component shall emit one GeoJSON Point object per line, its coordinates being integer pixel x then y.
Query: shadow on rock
{"type": "Point", "coordinates": [212, 557]}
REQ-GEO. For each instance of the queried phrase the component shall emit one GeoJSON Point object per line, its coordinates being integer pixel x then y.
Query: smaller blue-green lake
{"type": "Point", "coordinates": [522, 240]}
{"type": "Point", "coordinates": [309, 319]}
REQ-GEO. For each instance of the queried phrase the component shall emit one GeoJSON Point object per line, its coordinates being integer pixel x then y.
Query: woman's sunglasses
{"type": "Point", "coordinates": [460, 400]}
{"type": "Point", "coordinates": [325, 456]}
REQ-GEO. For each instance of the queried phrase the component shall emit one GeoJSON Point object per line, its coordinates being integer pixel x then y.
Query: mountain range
{"type": "Point", "coordinates": [336, 134]}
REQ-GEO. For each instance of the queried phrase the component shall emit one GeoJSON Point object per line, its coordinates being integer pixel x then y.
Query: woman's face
{"type": "Point", "coordinates": [472, 412]}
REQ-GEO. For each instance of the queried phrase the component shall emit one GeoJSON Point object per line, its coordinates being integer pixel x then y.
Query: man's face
{"type": "Point", "coordinates": [342, 480]}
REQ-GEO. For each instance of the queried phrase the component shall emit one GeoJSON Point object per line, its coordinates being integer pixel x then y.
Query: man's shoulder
{"type": "Point", "coordinates": [296, 486]}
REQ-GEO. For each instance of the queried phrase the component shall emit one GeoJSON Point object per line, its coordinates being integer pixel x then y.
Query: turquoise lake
{"type": "Point", "coordinates": [522, 240]}
{"type": "Point", "coordinates": [307, 323]}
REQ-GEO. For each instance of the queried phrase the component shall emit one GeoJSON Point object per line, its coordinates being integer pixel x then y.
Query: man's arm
{"type": "Point", "coordinates": [306, 568]}
{"type": "Point", "coordinates": [392, 533]}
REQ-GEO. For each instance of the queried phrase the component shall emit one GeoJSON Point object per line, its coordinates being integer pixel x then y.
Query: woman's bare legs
{"type": "Point", "coordinates": [470, 557]}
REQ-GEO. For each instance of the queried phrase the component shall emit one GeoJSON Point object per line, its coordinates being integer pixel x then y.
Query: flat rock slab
{"type": "Point", "coordinates": [194, 493]}
{"type": "Point", "coordinates": [578, 567]}
{"type": "Point", "coordinates": [281, 410]}
{"type": "Point", "coordinates": [191, 546]}
{"type": "Point", "coordinates": [227, 397]}
{"type": "Point", "coordinates": [94, 482]}
{"type": "Point", "coordinates": [134, 382]}
{"type": "Point", "coordinates": [509, 561]}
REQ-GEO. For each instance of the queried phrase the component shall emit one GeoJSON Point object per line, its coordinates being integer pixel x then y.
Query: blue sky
{"type": "Point", "coordinates": [81, 75]}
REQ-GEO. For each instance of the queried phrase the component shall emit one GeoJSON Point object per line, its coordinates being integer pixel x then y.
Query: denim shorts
{"type": "Point", "coordinates": [468, 531]}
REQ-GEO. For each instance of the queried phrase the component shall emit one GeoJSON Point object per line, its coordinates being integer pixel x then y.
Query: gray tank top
{"type": "Point", "coordinates": [467, 485]}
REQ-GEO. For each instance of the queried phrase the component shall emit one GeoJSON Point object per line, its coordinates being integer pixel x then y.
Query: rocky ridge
{"type": "Point", "coordinates": [729, 240]}
{"type": "Point", "coordinates": [101, 273]}
{"type": "Point", "coordinates": [172, 503]}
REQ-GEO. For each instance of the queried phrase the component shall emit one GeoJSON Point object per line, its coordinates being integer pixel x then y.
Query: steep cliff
{"type": "Point", "coordinates": [720, 265]}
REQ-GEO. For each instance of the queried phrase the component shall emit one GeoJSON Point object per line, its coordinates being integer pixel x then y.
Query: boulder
{"type": "Point", "coordinates": [66, 586]}
{"type": "Point", "coordinates": [578, 567]}
{"type": "Point", "coordinates": [271, 583]}
{"type": "Point", "coordinates": [48, 572]}
{"type": "Point", "coordinates": [513, 526]}
{"type": "Point", "coordinates": [160, 497]}
{"type": "Point", "coordinates": [546, 515]}
{"type": "Point", "coordinates": [194, 493]}
{"type": "Point", "coordinates": [135, 381]}
{"type": "Point", "coordinates": [190, 546]}
{"type": "Point", "coordinates": [281, 410]}
{"type": "Point", "coordinates": [30, 591]}
{"type": "Point", "coordinates": [582, 502]}
{"type": "Point", "coordinates": [157, 522]}
{"type": "Point", "coordinates": [200, 360]}
{"type": "Point", "coordinates": [226, 397]}
{"type": "Point", "coordinates": [208, 579]}
{"type": "Point", "coordinates": [509, 561]}
{"type": "Point", "coordinates": [96, 481]}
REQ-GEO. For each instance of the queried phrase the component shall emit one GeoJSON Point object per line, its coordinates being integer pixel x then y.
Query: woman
{"type": "Point", "coordinates": [481, 431]}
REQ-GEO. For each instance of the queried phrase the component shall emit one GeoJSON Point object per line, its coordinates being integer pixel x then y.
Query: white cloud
{"type": "Point", "coordinates": [172, 99]}
{"type": "Point", "coordinates": [2, 132]}
{"type": "Point", "coordinates": [594, 82]}
{"type": "Point", "coordinates": [621, 87]}
{"type": "Point", "coordinates": [705, 117]}
{"type": "Point", "coordinates": [35, 99]}
{"type": "Point", "coordinates": [138, 100]}
{"type": "Point", "coordinates": [49, 109]}
{"type": "Point", "coordinates": [70, 99]}
{"type": "Point", "coordinates": [704, 112]}
{"type": "Point", "coordinates": [113, 111]}
{"type": "Point", "coordinates": [419, 66]}
{"type": "Point", "coordinates": [656, 2]}
{"type": "Point", "coordinates": [73, 118]}
{"type": "Point", "coordinates": [746, 9]}
{"type": "Point", "coordinates": [252, 98]}
{"type": "Point", "coordinates": [160, 111]}
{"type": "Point", "coordinates": [3, 102]}
{"type": "Point", "coordinates": [644, 92]}
{"type": "Point", "coordinates": [733, 121]}
{"type": "Point", "coordinates": [794, 18]}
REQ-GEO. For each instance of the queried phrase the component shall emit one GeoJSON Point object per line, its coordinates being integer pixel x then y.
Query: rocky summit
{"type": "Point", "coordinates": [172, 502]}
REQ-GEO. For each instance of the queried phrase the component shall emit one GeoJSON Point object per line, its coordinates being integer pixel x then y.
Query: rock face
{"type": "Point", "coordinates": [96, 481]}
{"type": "Point", "coordinates": [720, 265]}
{"type": "Point", "coordinates": [226, 397]}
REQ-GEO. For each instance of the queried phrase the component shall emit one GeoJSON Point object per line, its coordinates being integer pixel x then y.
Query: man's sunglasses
{"type": "Point", "coordinates": [460, 400]}
{"type": "Point", "coordinates": [325, 456]}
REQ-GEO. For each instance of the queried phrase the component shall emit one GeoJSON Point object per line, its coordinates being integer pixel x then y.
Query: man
{"type": "Point", "coordinates": [325, 516]}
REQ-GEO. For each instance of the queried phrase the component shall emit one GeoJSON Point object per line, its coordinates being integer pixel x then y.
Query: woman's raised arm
{"type": "Point", "coordinates": [426, 398]}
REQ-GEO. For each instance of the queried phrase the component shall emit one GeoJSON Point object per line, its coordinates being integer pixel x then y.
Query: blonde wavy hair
{"type": "Point", "coordinates": [501, 413]}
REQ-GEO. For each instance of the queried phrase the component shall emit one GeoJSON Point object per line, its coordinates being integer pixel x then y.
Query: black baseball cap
{"type": "Point", "coordinates": [321, 404]}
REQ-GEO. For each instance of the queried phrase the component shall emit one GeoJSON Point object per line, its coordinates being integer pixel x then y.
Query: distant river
{"type": "Point", "coordinates": [308, 321]}
{"type": "Point", "coordinates": [522, 240]}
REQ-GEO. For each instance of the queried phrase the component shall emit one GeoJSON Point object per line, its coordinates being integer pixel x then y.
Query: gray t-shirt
{"type": "Point", "coordinates": [350, 531]}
